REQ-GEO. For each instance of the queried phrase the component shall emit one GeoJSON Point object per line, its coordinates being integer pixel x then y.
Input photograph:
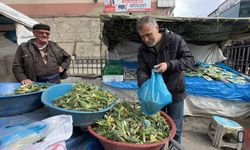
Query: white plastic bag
{"type": "Point", "coordinates": [50, 131]}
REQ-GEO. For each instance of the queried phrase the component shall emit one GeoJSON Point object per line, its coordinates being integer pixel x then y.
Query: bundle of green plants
{"type": "Point", "coordinates": [126, 123]}
{"type": "Point", "coordinates": [85, 97]}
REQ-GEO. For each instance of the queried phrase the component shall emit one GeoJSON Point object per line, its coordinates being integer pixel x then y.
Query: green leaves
{"type": "Point", "coordinates": [212, 72]}
{"type": "Point", "coordinates": [85, 97]}
{"type": "Point", "coordinates": [29, 88]}
{"type": "Point", "coordinates": [126, 123]}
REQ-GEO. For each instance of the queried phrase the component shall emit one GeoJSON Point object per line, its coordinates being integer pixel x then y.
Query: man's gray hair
{"type": "Point", "coordinates": [145, 20]}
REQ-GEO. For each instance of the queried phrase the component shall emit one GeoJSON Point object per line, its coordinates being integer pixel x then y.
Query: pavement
{"type": "Point", "coordinates": [195, 133]}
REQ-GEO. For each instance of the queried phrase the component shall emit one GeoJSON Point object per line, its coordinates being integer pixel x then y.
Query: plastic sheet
{"type": "Point", "coordinates": [202, 106]}
{"type": "Point", "coordinates": [201, 87]}
{"type": "Point", "coordinates": [27, 136]}
{"type": "Point", "coordinates": [78, 141]}
{"type": "Point", "coordinates": [123, 85]}
{"type": "Point", "coordinates": [209, 54]}
{"type": "Point", "coordinates": [226, 91]}
{"type": "Point", "coordinates": [221, 65]}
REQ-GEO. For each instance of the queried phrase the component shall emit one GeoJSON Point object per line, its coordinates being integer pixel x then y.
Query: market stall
{"type": "Point", "coordinates": [206, 38]}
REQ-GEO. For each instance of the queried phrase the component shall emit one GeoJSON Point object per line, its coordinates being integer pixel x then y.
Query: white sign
{"type": "Point", "coordinates": [127, 5]}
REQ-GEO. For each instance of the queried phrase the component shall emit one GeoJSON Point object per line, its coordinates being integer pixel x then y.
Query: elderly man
{"type": "Point", "coordinates": [169, 54]}
{"type": "Point", "coordinates": [40, 60]}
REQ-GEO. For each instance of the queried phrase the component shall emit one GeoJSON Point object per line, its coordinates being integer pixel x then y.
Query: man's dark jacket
{"type": "Point", "coordinates": [23, 65]}
{"type": "Point", "coordinates": [175, 52]}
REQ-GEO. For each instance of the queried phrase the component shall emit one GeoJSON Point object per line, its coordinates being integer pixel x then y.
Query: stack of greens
{"type": "Point", "coordinates": [211, 72]}
{"type": "Point", "coordinates": [29, 88]}
{"type": "Point", "coordinates": [113, 68]}
{"type": "Point", "coordinates": [85, 97]}
{"type": "Point", "coordinates": [126, 123]}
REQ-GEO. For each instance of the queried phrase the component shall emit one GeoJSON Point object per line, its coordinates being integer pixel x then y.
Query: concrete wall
{"type": "Point", "coordinates": [79, 34]}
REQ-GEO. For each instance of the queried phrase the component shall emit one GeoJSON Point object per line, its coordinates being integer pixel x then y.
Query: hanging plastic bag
{"type": "Point", "coordinates": [153, 94]}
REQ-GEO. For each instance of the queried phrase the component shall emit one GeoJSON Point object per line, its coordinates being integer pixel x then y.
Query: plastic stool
{"type": "Point", "coordinates": [224, 133]}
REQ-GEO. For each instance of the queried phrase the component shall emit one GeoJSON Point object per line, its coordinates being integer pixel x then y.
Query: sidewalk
{"type": "Point", "coordinates": [195, 135]}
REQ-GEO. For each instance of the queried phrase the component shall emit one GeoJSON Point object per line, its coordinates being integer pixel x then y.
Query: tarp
{"type": "Point", "coordinates": [201, 87]}
{"type": "Point", "coordinates": [209, 54]}
{"type": "Point", "coordinates": [217, 89]}
{"type": "Point", "coordinates": [120, 27]}
{"type": "Point", "coordinates": [23, 22]}
{"type": "Point", "coordinates": [202, 106]}
{"type": "Point", "coordinates": [197, 105]}
{"type": "Point", "coordinates": [125, 50]}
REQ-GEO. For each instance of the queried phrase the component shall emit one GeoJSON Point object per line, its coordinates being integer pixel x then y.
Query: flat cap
{"type": "Point", "coordinates": [41, 26]}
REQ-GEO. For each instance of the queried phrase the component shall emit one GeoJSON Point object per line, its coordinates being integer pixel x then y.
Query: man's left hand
{"type": "Point", "coordinates": [61, 69]}
{"type": "Point", "coordinates": [162, 67]}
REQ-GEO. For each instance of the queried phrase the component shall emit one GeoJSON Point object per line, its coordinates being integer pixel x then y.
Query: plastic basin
{"type": "Point", "coordinates": [80, 118]}
{"type": "Point", "coordinates": [17, 104]}
{"type": "Point", "coordinates": [114, 145]}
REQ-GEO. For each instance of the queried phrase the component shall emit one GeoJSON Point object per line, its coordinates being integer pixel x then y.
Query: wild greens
{"type": "Point", "coordinates": [126, 123]}
{"type": "Point", "coordinates": [212, 72]}
{"type": "Point", "coordinates": [29, 88]}
{"type": "Point", "coordinates": [85, 97]}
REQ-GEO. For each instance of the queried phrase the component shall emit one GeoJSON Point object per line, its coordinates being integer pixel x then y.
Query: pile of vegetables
{"type": "Point", "coordinates": [212, 72]}
{"type": "Point", "coordinates": [113, 68]}
{"type": "Point", "coordinates": [85, 97]}
{"type": "Point", "coordinates": [126, 123]}
{"type": "Point", "coordinates": [29, 88]}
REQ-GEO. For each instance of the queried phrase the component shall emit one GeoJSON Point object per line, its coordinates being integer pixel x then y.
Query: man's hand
{"type": "Point", "coordinates": [61, 69]}
{"type": "Point", "coordinates": [26, 81]}
{"type": "Point", "coordinates": [162, 67]}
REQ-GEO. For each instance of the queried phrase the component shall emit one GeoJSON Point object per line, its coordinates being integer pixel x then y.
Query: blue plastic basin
{"type": "Point", "coordinates": [17, 104]}
{"type": "Point", "coordinates": [80, 118]}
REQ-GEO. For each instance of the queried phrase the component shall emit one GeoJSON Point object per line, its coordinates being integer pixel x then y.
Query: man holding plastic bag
{"type": "Point", "coordinates": [164, 55]}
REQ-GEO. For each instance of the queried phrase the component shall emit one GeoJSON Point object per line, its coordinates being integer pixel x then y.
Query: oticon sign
{"type": "Point", "coordinates": [127, 5]}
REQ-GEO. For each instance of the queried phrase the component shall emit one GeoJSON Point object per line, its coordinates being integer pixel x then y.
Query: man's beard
{"type": "Point", "coordinates": [151, 44]}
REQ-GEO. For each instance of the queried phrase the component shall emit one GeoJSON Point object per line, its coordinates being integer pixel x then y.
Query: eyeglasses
{"type": "Point", "coordinates": [42, 33]}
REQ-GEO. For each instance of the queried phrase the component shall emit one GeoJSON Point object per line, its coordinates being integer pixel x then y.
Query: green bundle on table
{"type": "Point", "coordinates": [212, 72]}
{"type": "Point", "coordinates": [113, 67]}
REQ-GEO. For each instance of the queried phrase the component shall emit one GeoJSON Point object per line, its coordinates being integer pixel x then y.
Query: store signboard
{"type": "Point", "coordinates": [127, 5]}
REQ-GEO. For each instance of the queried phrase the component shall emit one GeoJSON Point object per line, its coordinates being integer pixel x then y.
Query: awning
{"type": "Point", "coordinates": [119, 27]}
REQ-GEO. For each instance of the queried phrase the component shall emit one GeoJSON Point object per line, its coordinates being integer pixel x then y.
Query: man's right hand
{"type": "Point", "coordinates": [27, 81]}
{"type": "Point", "coordinates": [162, 67]}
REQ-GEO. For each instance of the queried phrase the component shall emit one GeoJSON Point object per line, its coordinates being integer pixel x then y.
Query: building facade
{"type": "Point", "coordinates": [233, 9]}
{"type": "Point", "coordinates": [76, 7]}
{"type": "Point", "coordinates": [75, 25]}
